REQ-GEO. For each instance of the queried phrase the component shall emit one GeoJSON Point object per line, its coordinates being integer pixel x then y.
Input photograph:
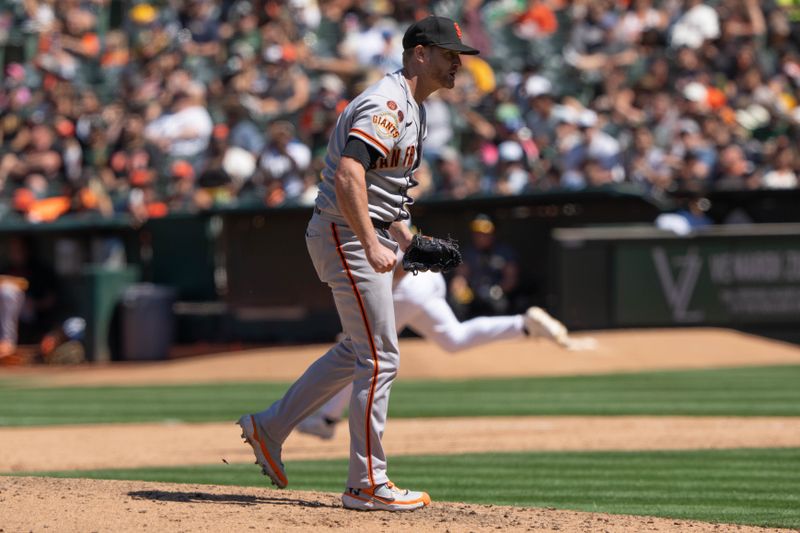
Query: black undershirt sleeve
{"type": "Point", "coordinates": [361, 152]}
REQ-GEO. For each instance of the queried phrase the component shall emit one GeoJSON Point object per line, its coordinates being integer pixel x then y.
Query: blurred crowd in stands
{"type": "Point", "coordinates": [163, 106]}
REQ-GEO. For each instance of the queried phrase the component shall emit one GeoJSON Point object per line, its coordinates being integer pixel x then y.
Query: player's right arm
{"type": "Point", "coordinates": [399, 230]}
{"type": "Point", "coordinates": [351, 193]}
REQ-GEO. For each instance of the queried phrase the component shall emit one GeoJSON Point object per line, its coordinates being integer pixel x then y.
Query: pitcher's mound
{"type": "Point", "coordinates": [80, 505]}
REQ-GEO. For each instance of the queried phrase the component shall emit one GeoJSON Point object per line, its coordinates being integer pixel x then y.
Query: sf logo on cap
{"type": "Point", "coordinates": [458, 29]}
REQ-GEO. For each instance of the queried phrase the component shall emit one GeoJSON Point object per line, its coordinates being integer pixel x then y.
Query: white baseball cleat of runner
{"type": "Point", "coordinates": [580, 344]}
{"type": "Point", "coordinates": [385, 497]}
{"type": "Point", "coordinates": [318, 426]}
{"type": "Point", "coordinates": [540, 324]}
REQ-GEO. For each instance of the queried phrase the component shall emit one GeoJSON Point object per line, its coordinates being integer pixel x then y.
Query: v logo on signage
{"type": "Point", "coordinates": [679, 291]}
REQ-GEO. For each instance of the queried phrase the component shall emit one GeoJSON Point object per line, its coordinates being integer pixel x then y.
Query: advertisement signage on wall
{"type": "Point", "coordinates": [707, 282]}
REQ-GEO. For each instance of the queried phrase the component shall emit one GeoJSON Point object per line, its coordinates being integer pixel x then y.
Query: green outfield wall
{"type": "Point", "coordinates": [244, 274]}
{"type": "Point", "coordinates": [741, 276]}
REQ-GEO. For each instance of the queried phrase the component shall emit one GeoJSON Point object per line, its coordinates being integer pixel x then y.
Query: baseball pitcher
{"type": "Point", "coordinates": [353, 239]}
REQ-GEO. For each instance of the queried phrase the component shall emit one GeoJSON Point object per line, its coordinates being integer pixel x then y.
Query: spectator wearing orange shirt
{"type": "Point", "coordinates": [538, 20]}
{"type": "Point", "coordinates": [71, 51]}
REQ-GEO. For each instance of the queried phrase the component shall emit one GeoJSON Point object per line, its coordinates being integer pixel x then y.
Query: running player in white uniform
{"type": "Point", "coordinates": [353, 239]}
{"type": "Point", "coordinates": [420, 304]}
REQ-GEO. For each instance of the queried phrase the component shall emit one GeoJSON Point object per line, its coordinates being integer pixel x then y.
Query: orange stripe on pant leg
{"type": "Point", "coordinates": [368, 414]}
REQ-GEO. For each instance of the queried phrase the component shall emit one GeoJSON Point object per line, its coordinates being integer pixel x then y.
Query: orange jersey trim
{"type": "Point", "coordinates": [370, 139]}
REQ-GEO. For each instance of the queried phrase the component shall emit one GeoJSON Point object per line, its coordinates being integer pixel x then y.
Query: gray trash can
{"type": "Point", "coordinates": [147, 323]}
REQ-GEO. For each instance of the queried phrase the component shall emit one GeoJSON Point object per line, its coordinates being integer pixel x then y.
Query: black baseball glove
{"type": "Point", "coordinates": [429, 253]}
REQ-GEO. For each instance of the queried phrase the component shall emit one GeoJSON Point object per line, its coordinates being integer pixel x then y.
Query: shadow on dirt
{"type": "Point", "coordinates": [204, 497]}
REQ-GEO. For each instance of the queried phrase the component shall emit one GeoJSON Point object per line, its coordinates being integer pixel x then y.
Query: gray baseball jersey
{"type": "Point", "coordinates": [387, 118]}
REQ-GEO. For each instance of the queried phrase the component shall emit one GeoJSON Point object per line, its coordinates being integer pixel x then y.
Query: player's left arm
{"type": "Point", "coordinates": [400, 232]}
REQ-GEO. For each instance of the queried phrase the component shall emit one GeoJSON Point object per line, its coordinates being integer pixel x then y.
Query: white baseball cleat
{"type": "Point", "coordinates": [268, 453]}
{"type": "Point", "coordinates": [540, 324]}
{"type": "Point", "coordinates": [318, 426]}
{"type": "Point", "coordinates": [385, 497]}
{"type": "Point", "coordinates": [581, 344]}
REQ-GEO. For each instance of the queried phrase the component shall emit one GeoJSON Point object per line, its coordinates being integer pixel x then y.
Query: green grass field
{"type": "Point", "coordinates": [752, 486]}
{"type": "Point", "coordinates": [761, 391]}
{"type": "Point", "coordinates": [749, 486]}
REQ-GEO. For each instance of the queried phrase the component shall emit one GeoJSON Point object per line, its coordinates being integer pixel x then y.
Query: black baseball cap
{"type": "Point", "coordinates": [438, 31]}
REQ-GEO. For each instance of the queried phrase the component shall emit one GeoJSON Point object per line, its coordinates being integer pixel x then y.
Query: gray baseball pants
{"type": "Point", "coordinates": [368, 356]}
{"type": "Point", "coordinates": [11, 301]}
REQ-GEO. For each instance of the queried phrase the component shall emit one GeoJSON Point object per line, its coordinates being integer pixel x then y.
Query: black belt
{"type": "Point", "coordinates": [378, 224]}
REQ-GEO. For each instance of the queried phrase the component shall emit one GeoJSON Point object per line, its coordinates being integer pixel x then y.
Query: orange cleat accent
{"type": "Point", "coordinates": [384, 497]}
{"type": "Point", "coordinates": [268, 455]}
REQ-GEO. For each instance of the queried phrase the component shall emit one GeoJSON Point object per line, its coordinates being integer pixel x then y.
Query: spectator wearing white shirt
{"type": "Point", "coordinates": [541, 119]}
{"type": "Point", "coordinates": [285, 159]}
{"type": "Point", "coordinates": [697, 24]}
{"type": "Point", "coordinates": [781, 174]}
{"type": "Point", "coordinates": [185, 131]}
{"type": "Point", "coordinates": [596, 145]}
{"type": "Point", "coordinates": [641, 17]}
